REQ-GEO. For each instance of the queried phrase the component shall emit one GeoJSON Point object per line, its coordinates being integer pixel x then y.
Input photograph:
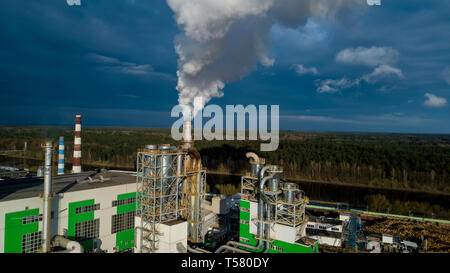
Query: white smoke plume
{"type": "Point", "coordinates": [224, 40]}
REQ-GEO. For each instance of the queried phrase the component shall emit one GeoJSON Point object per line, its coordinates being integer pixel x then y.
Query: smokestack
{"type": "Point", "coordinates": [187, 135]}
{"type": "Point", "coordinates": [47, 197]}
{"type": "Point", "coordinates": [77, 146]}
{"type": "Point", "coordinates": [61, 156]}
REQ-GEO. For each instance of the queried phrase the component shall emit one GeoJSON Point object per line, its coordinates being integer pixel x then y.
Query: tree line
{"type": "Point", "coordinates": [419, 162]}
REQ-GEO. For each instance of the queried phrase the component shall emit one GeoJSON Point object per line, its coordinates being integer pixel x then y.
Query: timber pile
{"type": "Point", "coordinates": [438, 237]}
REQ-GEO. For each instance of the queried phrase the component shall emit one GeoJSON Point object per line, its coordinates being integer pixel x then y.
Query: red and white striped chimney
{"type": "Point", "coordinates": [76, 168]}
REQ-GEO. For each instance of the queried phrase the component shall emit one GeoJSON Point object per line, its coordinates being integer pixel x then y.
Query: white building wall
{"type": "Point", "coordinates": [14, 206]}
{"type": "Point", "coordinates": [344, 217]}
{"type": "Point", "coordinates": [387, 239]}
{"type": "Point", "coordinates": [324, 226]}
{"type": "Point", "coordinates": [60, 205]}
{"type": "Point", "coordinates": [171, 236]}
{"type": "Point", "coordinates": [284, 233]}
{"type": "Point", "coordinates": [325, 240]}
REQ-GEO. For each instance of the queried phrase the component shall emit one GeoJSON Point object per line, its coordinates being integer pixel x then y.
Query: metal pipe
{"type": "Point", "coordinates": [47, 197]}
{"type": "Point", "coordinates": [253, 156]}
{"type": "Point", "coordinates": [263, 199]}
{"type": "Point", "coordinates": [197, 250]}
{"type": "Point", "coordinates": [227, 247]}
{"type": "Point", "coordinates": [69, 245]}
{"type": "Point", "coordinates": [261, 210]}
{"type": "Point", "coordinates": [239, 244]}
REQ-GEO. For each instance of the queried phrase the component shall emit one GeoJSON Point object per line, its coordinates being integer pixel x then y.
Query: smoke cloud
{"type": "Point", "coordinates": [222, 41]}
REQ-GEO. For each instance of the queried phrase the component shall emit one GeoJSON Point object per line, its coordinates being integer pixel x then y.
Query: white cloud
{"type": "Point", "coordinates": [320, 119]}
{"type": "Point", "coordinates": [115, 65]}
{"type": "Point", "coordinates": [434, 101]}
{"type": "Point", "coordinates": [302, 70]}
{"type": "Point", "coordinates": [381, 58]}
{"type": "Point", "coordinates": [372, 56]}
{"type": "Point", "coordinates": [382, 72]}
{"type": "Point", "coordinates": [333, 86]}
{"type": "Point", "coordinates": [103, 59]}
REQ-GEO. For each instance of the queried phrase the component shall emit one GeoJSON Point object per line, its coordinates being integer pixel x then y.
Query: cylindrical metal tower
{"type": "Point", "coordinates": [77, 146]}
{"type": "Point", "coordinates": [61, 156]}
{"type": "Point", "coordinates": [187, 141]}
{"type": "Point", "coordinates": [47, 197]}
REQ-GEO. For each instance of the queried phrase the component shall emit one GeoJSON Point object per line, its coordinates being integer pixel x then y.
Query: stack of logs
{"type": "Point", "coordinates": [434, 237]}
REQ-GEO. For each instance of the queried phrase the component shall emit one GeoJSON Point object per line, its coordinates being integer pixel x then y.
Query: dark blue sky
{"type": "Point", "coordinates": [380, 69]}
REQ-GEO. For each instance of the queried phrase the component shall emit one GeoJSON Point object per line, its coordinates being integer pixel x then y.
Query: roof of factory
{"type": "Point", "coordinates": [33, 186]}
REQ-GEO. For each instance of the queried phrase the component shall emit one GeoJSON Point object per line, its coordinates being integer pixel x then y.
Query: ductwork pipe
{"type": "Point", "coordinates": [261, 211]}
{"type": "Point", "coordinates": [70, 246]}
{"type": "Point", "coordinates": [254, 158]}
{"type": "Point", "coordinates": [227, 247]}
{"type": "Point", "coordinates": [262, 206]}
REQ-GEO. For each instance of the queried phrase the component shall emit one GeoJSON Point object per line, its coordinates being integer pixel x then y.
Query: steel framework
{"type": "Point", "coordinates": [291, 214]}
{"type": "Point", "coordinates": [160, 175]}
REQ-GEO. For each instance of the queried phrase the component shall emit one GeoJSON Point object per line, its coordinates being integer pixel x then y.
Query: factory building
{"type": "Point", "coordinates": [156, 209]}
{"type": "Point", "coordinates": [95, 209]}
{"type": "Point", "coordinates": [160, 208]}
{"type": "Point", "coordinates": [272, 212]}
{"type": "Point", "coordinates": [327, 231]}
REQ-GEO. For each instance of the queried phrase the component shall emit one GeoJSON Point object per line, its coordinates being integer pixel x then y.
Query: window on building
{"type": "Point", "coordinates": [277, 248]}
{"type": "Point", "coordinates": [31, 219]}
{"type": "Point", "coordinates": [87, 230]}
{"type": "Point", "coordinates": [244, 222]}
{"type": "Point", "coordinates": [122, 202]}
{"type": "Point", "coordinates": [122, 221]}
{"type": "Point", "coordinates": [87, 208]}
{"type": "Point", "coordinates": [31, 242]}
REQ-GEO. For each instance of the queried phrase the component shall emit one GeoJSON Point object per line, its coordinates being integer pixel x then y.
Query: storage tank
{"type": "Point", "coordinates": [289, 192]}
{"type": "Point", "coordinates": [164, 166]}
{"type": "Point", "coordinates": [274, 183]}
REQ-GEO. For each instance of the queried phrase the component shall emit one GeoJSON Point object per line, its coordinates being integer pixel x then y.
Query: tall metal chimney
{"type": "Point", "coordinates": [76, 168]}
{"type": "Point", "coordinates": [61, 156]}
{"type": "Point", "coordinates": [187, 135]}
{"type": "Point", "coordinates": [47, 197]}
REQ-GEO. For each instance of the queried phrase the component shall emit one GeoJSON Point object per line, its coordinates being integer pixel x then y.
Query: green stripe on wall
{"type": "Point", "coordinates": [244, 232]}
{"type": "Point", "coordinates": [125, 239]}
{"type": "Point", "coordinates": [14, 229]}
{"type": "Point", "coordinates": [77, 218]}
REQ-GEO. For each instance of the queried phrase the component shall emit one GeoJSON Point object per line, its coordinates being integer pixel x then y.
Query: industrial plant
{"type": "Point", "coordinates": [163, 207]}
